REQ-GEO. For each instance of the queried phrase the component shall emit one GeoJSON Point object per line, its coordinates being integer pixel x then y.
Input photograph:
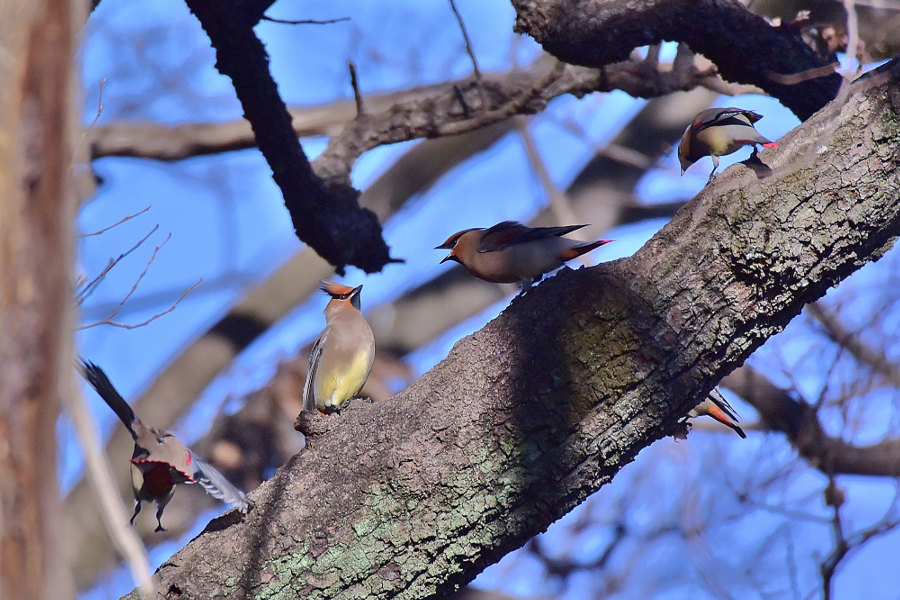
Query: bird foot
{"type": "Point", "coordinates": [681, 430]}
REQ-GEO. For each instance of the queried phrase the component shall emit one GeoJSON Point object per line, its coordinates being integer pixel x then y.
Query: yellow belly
{"type": "Point", "coordinates": [335, 388]}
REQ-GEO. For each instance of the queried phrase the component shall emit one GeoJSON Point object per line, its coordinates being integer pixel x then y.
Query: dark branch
{"type": "Point", "coordinates": [743, 46]}
{"type": "Point", "coordinates": [325, 216]}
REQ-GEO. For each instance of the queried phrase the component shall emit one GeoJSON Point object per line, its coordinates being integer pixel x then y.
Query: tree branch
{"type": "Point", "coordinates": [743, 46]}
{"type": "Point", "coordinates": [325, 216]}
{"type": "Point", "coordinates": [800, 423]}
{"type": "Point", "coordinates": [544, 405]}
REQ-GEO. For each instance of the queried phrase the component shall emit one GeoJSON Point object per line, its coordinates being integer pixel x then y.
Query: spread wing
{"type": "Point", "coordinates": [217, 486]}
{"type": "Point", "coordinates": [309, 394]}
{"type": "Point", "coordinates": [508, 233]}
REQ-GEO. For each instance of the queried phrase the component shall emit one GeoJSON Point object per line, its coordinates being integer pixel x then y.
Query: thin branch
{"type": "Point", "coordinates": [99, 108]}
{"type": "Point", "coordinates": [559, 203]}
{"type": "Point", "coordinates": [172, 307]}
{"type": "Point", "coordinates": [843, 337]}
{"type": "Point", "coordinates": [304, 21]}
{"type": "Point", "coordinates": [89, 288]}
{"type": "Point", "coordinates": [470, 52]}
{"type": "Point", "coordinates": [109, 318]}
{"type": "Point", "coordinates": [357, 95]}
{"type": "Point", "coordinates": [119, 222]}
{"type": "Point", "coordinates": [115, 515]}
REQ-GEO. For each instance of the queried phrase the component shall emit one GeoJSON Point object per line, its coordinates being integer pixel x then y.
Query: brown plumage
{"type": "Point", "coordinates": [716, 132]}
{"type": "Point", "coordinates": [716, 406]}
{"type": "Point", "coordinates": [160, 461]}
{"type": "Point", "coordinates": [510, 252]}
{"type": "Point", "coordinates": [342, 356]}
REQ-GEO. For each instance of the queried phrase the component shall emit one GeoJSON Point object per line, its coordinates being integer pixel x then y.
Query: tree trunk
{"type": "Point", "coordinates": [36, 211]}
{"type": "Point", "coordinates": [524, 419]}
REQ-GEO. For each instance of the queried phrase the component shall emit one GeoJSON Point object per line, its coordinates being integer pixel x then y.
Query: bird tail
{"type": "Point", "coordinates": [218, 486]}
{"type": "Point", "coordinates": [722, 412]}
{"type": "Point", "coordinates": [570, 253]}
{"type": "Point", "coordinates": [101, 383]}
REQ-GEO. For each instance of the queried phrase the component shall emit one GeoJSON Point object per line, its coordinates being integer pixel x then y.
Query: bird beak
{"type": "Point", "coordinates": [446, 258]}
{"type": "Point", "coordinates": [445, 246]}
{"type": "Point", "coordinates": [354, 297]}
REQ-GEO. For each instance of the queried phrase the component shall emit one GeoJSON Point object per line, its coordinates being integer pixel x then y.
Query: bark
{"type": "Point", "coordinates": [36, 211]}
{"type": "Point", "coordinates": [527, 417]}
{"type": "Point", "coordinates": [744, 47]}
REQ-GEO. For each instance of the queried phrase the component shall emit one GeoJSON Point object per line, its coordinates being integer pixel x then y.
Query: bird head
{"type": "Point", "coordinates": [684, 150]}
{"type": "Point", "coordinates": [343, 293]}
{"type": "Point", "coordinates": [450, 244]}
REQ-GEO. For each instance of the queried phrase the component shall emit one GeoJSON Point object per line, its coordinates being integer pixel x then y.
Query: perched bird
{"type": "Point", "coordinates": [716, 132]}
{"type": "Point", "coordinates": [510, 252]}
{"type": "Point", "coordinates": [160, 461]}
{"type": "Point", "coordinates": [716, 406]}
{"type": "Point", "coordinates": [342, 356]}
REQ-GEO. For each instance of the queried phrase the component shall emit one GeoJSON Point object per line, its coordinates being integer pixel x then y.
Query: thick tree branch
{"type": "Point", "coordinates": [528, 416]}
{"type": "Point", "coordinates": [325, 216]}
{"type": "Point", "coordinates": [743, 46]}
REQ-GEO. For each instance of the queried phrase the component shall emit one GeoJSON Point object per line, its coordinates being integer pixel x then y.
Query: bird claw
{"type": "Point", "coordinates": [681, 430]}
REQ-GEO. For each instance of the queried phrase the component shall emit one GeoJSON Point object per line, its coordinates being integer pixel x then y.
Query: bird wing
{"type": "Point", "coordinates": [716, 396]}
{"type": "Point", "coordinates": [508, 233]}
{"type": "Point", "coordinates": [218, 486]}
{"type": "Point", "coordinates": [725, 116]}
{"type": "Point", "coordinates": [101, 383]}
{"type": "Point", "coordinates": [309, 394]}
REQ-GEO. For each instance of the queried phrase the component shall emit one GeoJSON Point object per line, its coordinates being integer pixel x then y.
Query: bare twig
{"type": "Point", "coordinates": [559, 203]}
{"type": "Point", "coordinates": [99, 108]}
{"type": "Point", "coordinates": [89, 288]}
{"type": "Point", "coordinates": [872, 357]}
{"type": "Point", "coordinates": [108, 321]}
{"type": "Point", "coordinates": [470, 52]}
{"type": "Point", "coordinates": [357, 95]}
{"type": "Point", "coordinates": [115, 515]}
{"type": "Point", "coordinates": [109, 318]}
{"type": "Point", "coordinates": [304, 21]}
{"type": "Point", "coordinates": [117, 223]}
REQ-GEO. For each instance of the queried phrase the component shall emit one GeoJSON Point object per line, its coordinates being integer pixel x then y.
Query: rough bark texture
{"type": "Point", "coordinates": [36, 209]}
{"type": "Point", "coordinates": [743, 46]}
{"type": "Point", "coordinates": [525, 418]}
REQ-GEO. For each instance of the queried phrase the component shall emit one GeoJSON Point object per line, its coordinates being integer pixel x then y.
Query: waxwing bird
{"type": "Point", "coordinates": [716, 406]}
{"type": "Point", "coordinates": [716, 132]}
{"type": "Point", "coordinates": [510, 252]}
{"type": "Point", "coordinates": [342, 356]}
{"type": "Point", "coordinates": [160, 461]}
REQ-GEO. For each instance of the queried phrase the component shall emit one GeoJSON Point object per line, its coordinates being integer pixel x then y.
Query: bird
{"type": "Point", "coordinates": [716, 406]}
{"type": "Point", "coordinates": [160, 461]}
{"type": "Point", "coordinates": [510, 252]}
{"type": "Point", "coordinates": [342, 356]}
{"type": "Point", "coordinates": [716, 132]}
